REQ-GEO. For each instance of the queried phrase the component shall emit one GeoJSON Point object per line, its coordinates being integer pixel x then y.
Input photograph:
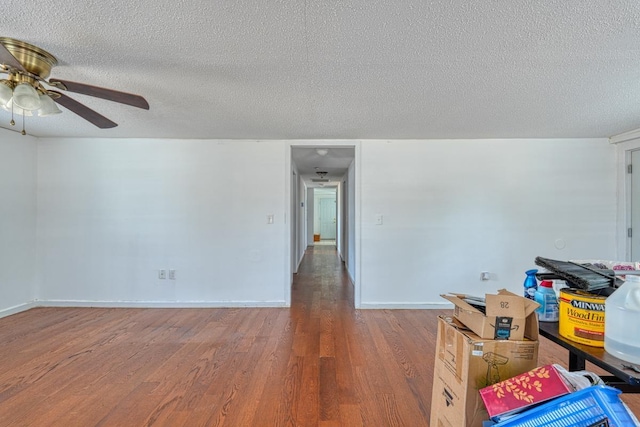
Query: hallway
{"type": "Point", "coordinates": [361, 368]}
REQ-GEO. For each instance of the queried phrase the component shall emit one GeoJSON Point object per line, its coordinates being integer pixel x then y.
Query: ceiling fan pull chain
{"type": "Point", "coordinates": [23, 131]}
{"type": "Point", "coordinates": [12, 122]}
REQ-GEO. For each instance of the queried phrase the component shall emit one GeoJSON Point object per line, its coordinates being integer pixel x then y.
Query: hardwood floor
{"type": "Point", "coordinates": [318, 363]}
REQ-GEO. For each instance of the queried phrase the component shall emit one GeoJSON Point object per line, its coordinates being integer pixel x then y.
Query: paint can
{"type": "Point", "coordinates": [581, 317]}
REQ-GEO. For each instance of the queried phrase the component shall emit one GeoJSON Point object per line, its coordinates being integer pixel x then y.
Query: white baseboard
{"type": "Point", "coordinates": [205, 304]}
{"type": "Point", "coordinates": [405, 306]}
{"type": "Point", "coordinates": [17, 309]}
{"type": "Point", "coordinates": [159, 304]}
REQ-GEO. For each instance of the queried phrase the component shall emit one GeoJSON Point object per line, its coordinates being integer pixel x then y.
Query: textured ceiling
{"type": "Point", "coordinates": [342, 69]}
{"type": "Point", "coordinates": [335, 163]}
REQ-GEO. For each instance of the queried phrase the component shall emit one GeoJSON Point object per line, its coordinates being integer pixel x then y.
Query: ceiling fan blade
{"type": "Point", "coordinates": [100, 92]}
{"type": "Point", "coordinates": [83, 111]}
{"type": "Point", "coordinates": [9, 60]}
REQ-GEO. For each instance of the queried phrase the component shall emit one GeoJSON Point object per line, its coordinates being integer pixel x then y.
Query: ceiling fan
{"type": "Point", "coordinates": [23, 92]}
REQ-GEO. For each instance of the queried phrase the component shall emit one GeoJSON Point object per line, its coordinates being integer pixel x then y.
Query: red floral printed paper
{"type": "Point", "coordinates": [519, 392]}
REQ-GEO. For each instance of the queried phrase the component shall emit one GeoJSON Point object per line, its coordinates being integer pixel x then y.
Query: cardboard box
{"type": "Point", "coordinates": [507, 316]}
{"type": "Point", "coordinates": [515, 394]}
{"type": "Point", "coordinates": [466, 363]}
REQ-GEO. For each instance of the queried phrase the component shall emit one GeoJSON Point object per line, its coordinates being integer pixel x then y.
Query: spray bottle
{"type": "Point", "coordinates": [530, 284]}
{"type": "Point", "coordinates": [546, 297]}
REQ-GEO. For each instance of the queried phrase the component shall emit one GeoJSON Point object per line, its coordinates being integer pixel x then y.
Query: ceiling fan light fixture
{"type": "Point", "coordinates": [26, 97]}
{"type": "Point", "coordinates": [322, 151]}
{"type": "Point", "coordinates": [47, 106]}
{"type": "Point", "coordinates": [28, 66]}
{"type": "Point", "coordinates": [6, 92]}
{"type": "Point", "coordinates": [13, 108]}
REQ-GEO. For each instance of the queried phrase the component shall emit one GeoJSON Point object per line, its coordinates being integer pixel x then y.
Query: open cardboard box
{"type": "Point", "coordinates": [465, 364]}
{"type": "Point", "coordinates": [507, 316]}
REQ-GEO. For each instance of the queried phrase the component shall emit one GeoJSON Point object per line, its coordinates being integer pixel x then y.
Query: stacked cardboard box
{"type": "Point", "coordinates": [469, 358]}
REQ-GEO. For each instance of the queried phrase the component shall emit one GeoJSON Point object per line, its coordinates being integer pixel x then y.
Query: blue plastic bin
{"type": "Point", "coordinates": [582, 408]}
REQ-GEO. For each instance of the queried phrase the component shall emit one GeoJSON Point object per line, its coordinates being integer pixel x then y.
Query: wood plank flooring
{"type": "Point", "coordinates": [318, 363]}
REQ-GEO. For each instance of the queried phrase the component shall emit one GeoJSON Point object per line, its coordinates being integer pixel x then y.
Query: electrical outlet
{"type": "Point", "coordinates": [172, 275]}
{"type": "Point", "coordinates": [162, 274]}
{"type": "Point", "coordinates": [378, 219]}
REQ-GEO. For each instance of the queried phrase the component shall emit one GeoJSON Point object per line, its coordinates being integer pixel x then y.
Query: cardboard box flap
{"type": "Point", "coordinates": [457, 300]}
{"type": "Point", "coordinates": [505, 315]}
{"type": "Point", "coordinates": [529, 305]}
{"type": "Point", "coordinates": [522, 307]}
{"type": "Point", "coordinates": [506, 305]}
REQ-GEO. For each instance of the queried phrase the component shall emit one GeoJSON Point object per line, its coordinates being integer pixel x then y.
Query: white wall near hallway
{"type": "Point", "coordinates": [17, 220]}
{"type": "Point", "coordinates": [110, 213]}
{"type": "Point", "coordinates": [452, 209]}
{"type": "Point", "coordinates": [114, 212]}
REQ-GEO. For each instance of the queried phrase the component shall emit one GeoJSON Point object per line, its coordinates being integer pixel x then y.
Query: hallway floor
{"type": "Point", "coordinates": [325, 243]}
{"type": "Point", "coordinates": [373, 367]}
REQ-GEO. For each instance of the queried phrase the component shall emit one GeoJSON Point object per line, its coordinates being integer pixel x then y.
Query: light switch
{"type": "Point", "coordinates": [270, 219]}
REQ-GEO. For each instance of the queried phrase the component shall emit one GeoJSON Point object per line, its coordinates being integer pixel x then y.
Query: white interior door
{"type": "Point", "coordinates": [635, 205]}
{"type": "Point", "coordinates": [327, 218]}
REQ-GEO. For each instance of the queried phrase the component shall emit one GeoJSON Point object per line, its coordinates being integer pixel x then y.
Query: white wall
{"type": "Point", "coordinates": [301, 208]}
{"type": "Point", "coordinates": [18, 160]}
{"type": "Point", "coordinates": [110, 213]}
{"type": "Point", "coordinates": [341, 219]}
{"type": "Point", "coordinates": [452, 209]}
{"type": "Point", "coordinates": [309, 214]}
{"type": "Point", "coordinates": [352, 219]}
{"type": "Point", "coordinates": [299, 220]}
{"type": "Point", "coordinates": [114, 212]}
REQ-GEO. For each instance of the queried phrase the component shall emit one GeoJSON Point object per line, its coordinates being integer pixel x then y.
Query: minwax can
{"type": "Point", "coordinates": [581, 317]}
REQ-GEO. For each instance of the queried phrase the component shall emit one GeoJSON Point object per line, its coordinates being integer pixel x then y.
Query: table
{"type": "Point", "coordinates": [623, 379]}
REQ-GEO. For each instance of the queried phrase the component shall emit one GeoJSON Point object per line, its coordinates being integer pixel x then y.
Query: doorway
{"type": "Point", "coordinates": [325, 215]}
{"type": "Point", "coordinates": [633, 232]}
{"type": "Point", "coordinates": [322, 194]}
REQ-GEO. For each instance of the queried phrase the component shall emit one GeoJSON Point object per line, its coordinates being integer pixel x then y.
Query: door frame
{"type": "Point", "coordinates": [623, 160]}
{"type": "Point", "coordinates": [318, 210]}
{"type": "Point", "coordinates": [292, 202]}
{"type": "Point", "coordinates": [629, 195]}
